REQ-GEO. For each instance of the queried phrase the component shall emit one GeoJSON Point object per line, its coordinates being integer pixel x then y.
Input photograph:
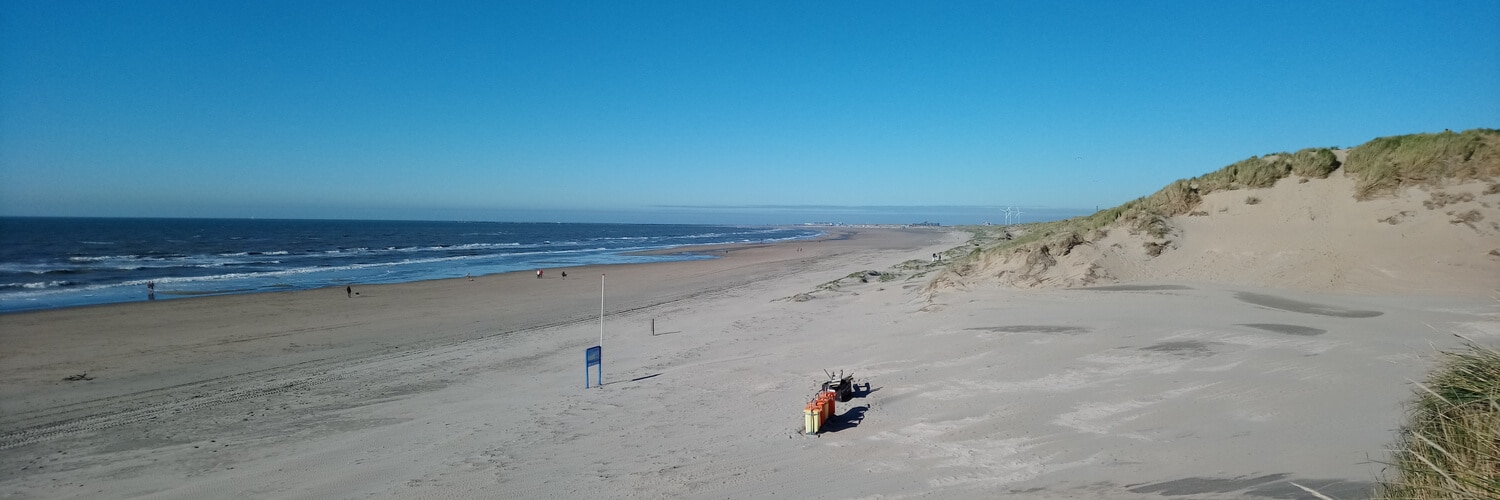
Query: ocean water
{"type": "Point", "coordinates": [50, 263]}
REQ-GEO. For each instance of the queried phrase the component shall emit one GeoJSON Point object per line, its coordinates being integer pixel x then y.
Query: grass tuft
{"type": "Point", "coordinates": [1314, 162]}
{"type": "Point", "coordinates": [1450, 445]}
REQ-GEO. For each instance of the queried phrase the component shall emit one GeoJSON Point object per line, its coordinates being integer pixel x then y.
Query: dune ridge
{"type": "Point", "coordinates": [1416, 213]}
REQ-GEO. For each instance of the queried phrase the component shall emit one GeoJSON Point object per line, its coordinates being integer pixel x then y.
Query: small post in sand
{"type": "Point", "coordinates": [600, 310]}
{"type": "Point", "coordinates": [594, 356]}
{"type": "Point", "coordinates": [601, 329]}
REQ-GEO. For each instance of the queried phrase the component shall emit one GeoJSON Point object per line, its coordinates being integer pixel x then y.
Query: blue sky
{"type": "Point", "coordinates": [700, 111]}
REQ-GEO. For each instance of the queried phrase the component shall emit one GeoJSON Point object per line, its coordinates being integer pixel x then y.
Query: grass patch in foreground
{"type": "Point", "coordinates": [1450, 445]}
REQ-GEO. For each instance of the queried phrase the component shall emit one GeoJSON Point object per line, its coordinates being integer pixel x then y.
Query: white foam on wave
{"type": "Point", "coordinates": [358, 264]}
{"type": "Point", "coordinates": [101, 258]}
{"type": "Point", "coordinates": [16, 268]}
{"type": "Point", "coordinates": [37, 285]}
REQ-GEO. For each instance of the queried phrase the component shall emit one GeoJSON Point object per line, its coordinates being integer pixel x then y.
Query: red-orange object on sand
{"type": "Point", "coordinates": [818, 411]}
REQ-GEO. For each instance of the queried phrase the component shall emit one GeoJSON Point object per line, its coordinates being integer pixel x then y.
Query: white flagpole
{"type": "Point", "coordinates": [601, 311]}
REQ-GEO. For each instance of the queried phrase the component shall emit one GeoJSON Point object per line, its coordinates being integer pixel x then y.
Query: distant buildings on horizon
{"type": "Point", "coordinates": [841, 224]}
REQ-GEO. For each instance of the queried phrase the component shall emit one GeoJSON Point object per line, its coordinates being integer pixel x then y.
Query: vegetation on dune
{"type": "Point", "coordinates": [1148, 214]}
{"type": "Point", "coordinates": [1379, 166]}
{"type": "Point", "coordinates": [1450, 445]}
{"type": "Point", "coordinates": [905, 271]}
{"type": "Point", "coordinates": [1314, 162]}
{"type": "Point", "coordinates": [1388, 163]}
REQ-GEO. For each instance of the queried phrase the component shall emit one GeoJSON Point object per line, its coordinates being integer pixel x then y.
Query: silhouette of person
{"type": "Point", "coordinates": [349, 290]}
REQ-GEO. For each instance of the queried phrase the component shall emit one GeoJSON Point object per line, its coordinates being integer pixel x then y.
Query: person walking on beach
{"type": "Point", "coordinates": [349, 290]}
{"type": "Point", "coordinates": [538, 274]}
{"type": "Point", "coordinates": [565, 275]}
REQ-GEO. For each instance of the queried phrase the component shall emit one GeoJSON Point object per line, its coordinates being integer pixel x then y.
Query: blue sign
{"type": "Point", "coordinates": [594, 356]}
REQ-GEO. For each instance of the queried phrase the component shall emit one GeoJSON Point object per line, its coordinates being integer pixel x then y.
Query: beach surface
{"type": "Point", "coordinates": [462, 389]}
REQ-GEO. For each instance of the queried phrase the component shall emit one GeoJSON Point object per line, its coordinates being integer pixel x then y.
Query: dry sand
{"type": "Point", "coordinates": [458, 389]}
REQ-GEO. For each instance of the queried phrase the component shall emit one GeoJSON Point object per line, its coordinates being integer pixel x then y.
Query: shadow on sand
{"type": "Point", "coordinates": [852, 416]}
{"type": "Point", "coordinates": [637, 379]}
{"type": "Point", "coordinates": [847, 420]}
{"type": "Point", "coordinates": [861, 393]}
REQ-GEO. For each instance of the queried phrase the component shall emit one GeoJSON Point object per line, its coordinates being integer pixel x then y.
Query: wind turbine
{"type": "Point", "coordinates": [1018, 215]}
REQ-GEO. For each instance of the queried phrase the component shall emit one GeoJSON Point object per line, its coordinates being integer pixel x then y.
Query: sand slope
{"type": "Point", "coordinates": [1307, 234]}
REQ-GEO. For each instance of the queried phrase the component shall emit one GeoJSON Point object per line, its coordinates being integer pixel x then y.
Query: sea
{"type": "Point", "coordinates": [48, 263]}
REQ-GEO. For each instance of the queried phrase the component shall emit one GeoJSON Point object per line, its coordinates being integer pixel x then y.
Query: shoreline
{"type": "Point", "coordinates": [725, 248]}
{"type": "Point", "coordinates": [46, 345]}
{"type": "Point", "coordinates": [711, 250]}
{"type": "Point", "coordinates": [120, 270]}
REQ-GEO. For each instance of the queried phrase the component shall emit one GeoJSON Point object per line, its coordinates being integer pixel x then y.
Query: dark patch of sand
{"type": "Point", "coordinates": [1184, 347]}
{"type": "Point", "coordinates": [1298, 306]}
{"type": "Point", "coordinates": [1287, 329]}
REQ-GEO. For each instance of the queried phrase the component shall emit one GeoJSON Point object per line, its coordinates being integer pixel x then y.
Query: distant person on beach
{"type": "Point", "coordinates": [538, 274]}
{"type": "Point", "coordinates": [470, 276]}
{"type": "Point", "coordinates": [150, 290]}
{"type": "Point", "coordinates": [565, 275]}
{"type": "Point", "coordinates": [349, 290]}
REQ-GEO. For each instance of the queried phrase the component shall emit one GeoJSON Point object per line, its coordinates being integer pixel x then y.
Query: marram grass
{"type": "Point", "coordinates": [1450, 445]}
{"type": "Point", "coordinates": [1379, 167]}
{"type": "Point", "coordinates": [1388, 163]}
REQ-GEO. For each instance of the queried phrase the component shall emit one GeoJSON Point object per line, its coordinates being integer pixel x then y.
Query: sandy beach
{"type": "Point", "coordinates": [464, 389]}
{"type": "Point", "coordinates": [273, 250]}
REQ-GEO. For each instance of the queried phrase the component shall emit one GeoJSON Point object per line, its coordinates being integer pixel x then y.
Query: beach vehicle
{"type": "Point", "coordinates": [841, 384]}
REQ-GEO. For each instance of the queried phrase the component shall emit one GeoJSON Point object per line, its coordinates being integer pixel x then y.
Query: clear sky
{"type": "Point", "coordinates": [700, 111]}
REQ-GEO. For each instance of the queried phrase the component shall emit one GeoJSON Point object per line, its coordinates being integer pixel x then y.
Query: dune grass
{"type": "Point", "coordinates": [1385, 164]}
{"type": "Point", "coordinates": [1379, 166]}
{"type": "Point", "coordinates": [1148, 214]}
{"type": "Point", "coordinates": [1450, 445]}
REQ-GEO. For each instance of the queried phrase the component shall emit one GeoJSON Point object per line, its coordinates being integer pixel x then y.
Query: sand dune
{"type": "Point", "coordinates": [1305, 234]}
